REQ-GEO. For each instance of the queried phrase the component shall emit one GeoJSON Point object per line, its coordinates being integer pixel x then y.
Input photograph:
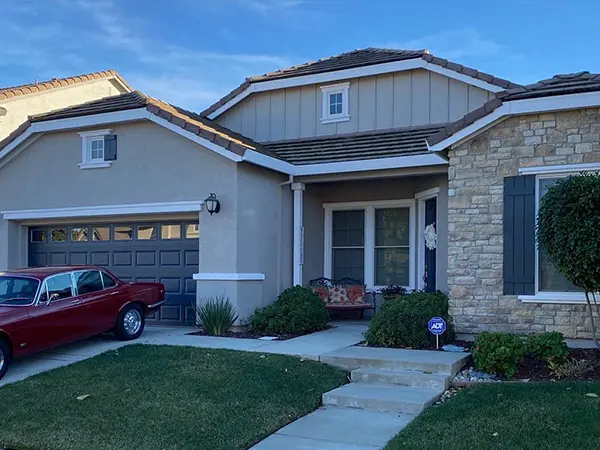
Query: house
{"type": "Point", "coordinates": [19, 102]}
{"type": "Point", "coordinates": [332, 168]}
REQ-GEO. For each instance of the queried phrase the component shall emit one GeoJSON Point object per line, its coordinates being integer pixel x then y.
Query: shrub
{"type": "Point", "coordinates": [571, 368]}
{"type": "Point", "coordinates": [498, 353]}
{"type": "Point", "coordinates": [215, 315]}
{"type": "Point", "coordinates": [297, 310]}
{"type": "Point", "coordinates": [403, 321]}
{"type": "Point", "coordinates": [547, 346]}
{"type": "Point", "coordinates": [568, 223]}
{"type": "Point", "coordinates": [392, 291]}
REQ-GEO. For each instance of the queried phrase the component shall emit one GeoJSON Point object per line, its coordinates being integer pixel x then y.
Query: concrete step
{"type": "Point", "coordinates": [351, 358]}
{"type": "Point", "coordinates": [390, 398]}
{"type": "Point", "coordinates": [412, 378]}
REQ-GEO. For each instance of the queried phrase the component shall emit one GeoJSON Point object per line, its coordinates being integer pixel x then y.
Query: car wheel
{"type": "Point", "coordinates": [4, 358]}
{"type": "Point", "coordinates": [130, 323]}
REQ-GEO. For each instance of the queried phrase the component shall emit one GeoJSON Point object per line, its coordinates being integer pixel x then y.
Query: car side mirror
{"type": "Point", "coordinates": [53, 297]}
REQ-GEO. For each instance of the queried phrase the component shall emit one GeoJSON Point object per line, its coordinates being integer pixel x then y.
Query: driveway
{"type": "Point", "coordinates": [62, 356]}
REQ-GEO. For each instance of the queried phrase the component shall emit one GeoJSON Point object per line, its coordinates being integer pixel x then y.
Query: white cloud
{"type": "Point", "coordinates": [265, 7]}
{"type": "Point", "coordinates": [454, 44]}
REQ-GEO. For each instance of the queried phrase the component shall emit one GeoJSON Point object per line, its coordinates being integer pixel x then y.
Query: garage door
{"type": "Point", "coordinates": [162, 251]}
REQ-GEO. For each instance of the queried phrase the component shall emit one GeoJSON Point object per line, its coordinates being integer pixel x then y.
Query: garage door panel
{"type": "Point", "coordinates": [192, 258]}
{"type": "Point", "coordinates": [170, 258]}
{"type": "Point", "coordinates": [57, 259]}
{"type": "Point", "coordinates": [78, 258]}
{"type": "Point", "coordinates": [146, 257]}
{"type": "Point", "coordinates": [123, 258]}
{"type": "Point", "coordinates": [100, 258]}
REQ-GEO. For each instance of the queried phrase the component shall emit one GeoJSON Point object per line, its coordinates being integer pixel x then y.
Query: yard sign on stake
{"type": "Point", "coordinates": [437, 326]}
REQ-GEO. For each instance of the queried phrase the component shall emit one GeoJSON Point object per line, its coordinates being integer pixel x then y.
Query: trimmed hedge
{"type": "Point", "coordinates": [297, 310]}
{"type": "Point", "coordinates": [498, 353]}
{"type": "Point", "coordinates": [402, 322]}
{"type": "Point", "coordinates": [547, 346]}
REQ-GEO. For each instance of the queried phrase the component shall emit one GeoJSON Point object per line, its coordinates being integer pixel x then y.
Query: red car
{"type": "Point", "coordinates": [46, 307]}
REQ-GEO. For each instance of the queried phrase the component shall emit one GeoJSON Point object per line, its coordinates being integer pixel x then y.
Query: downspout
{"type": "Point", "coordinates": [280, 233]}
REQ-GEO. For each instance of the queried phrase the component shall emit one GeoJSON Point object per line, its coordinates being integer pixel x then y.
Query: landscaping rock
{"type": "Point", "coordinates": [470, 375]}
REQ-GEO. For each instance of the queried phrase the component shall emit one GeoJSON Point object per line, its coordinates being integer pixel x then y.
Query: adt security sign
{"type": "Point", "coordinates": [437, 326]}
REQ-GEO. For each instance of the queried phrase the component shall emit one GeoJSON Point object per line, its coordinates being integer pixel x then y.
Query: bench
{"type": "Point", "coordinates": [345, 294]}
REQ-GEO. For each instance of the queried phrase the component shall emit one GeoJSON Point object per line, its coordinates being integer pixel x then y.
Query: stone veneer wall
{"type": "Point", "coordinates": [476, 173]}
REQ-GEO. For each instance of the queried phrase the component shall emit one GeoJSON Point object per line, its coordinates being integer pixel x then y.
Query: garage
{"type": "Point", "coordinates": [159, 251]}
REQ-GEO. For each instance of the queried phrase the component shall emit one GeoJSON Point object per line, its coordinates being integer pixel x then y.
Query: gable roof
{"type": "Point", "coordinates": [40, 86]}
{"type": "Point", "coordinates": [355, 146]}
{"type": "Point", "coordinates": [561, 84]}
{"type": "Point", "coordinates": [137, 100]}
{"type": "Point", "coordinates": [356, 59]}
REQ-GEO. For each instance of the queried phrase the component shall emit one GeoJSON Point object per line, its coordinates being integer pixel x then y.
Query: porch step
{"type": "Point", "coordinates": [351, 358]}
{"type": "Point", "coordinates": [412, 378]}
{"type": "Point", "coordinates": [397, 399]}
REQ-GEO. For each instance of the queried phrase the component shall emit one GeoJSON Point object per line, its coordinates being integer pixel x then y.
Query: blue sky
{"type": "Point", "coordinates": [191, 52]}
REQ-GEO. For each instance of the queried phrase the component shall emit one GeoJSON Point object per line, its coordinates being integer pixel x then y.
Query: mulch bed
{"type": "Point", "coordinates": [247, 334]}
{"type": "Point", "coordinates": [535, 370]}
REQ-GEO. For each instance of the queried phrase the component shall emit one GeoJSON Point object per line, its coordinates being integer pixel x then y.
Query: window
{"type": "Point", "coordinates": [79, 234]}
{"type": "Point", "coordinates": [15, 291]}
{"type": "Point", "coordinates": [94, 149]}
{"type": "Point", "coordinates": [335, 103]}
{"type": "Point", "coordinates": [549, 279]}
{"type": "Point", "coordinates": [192, 231]}
{"type": "Point", "coordinates": [108, 281]}
{"type": "Point", "coordinates": [371, 242]}
{"type": "Point", "coordinates": [392, 246]}
{"type": "Point", "coordinates": [101, 233]}
{"type": "Point", "coordinates": [170, 231]}
{"type": "Point", "coordinates": [146, 232]}
{"type": "Point", "coordinates": [39, 236]}
{"type": "Point", "coordinates": [58, 287]}
{"type": "Point", "coordinates": [58, 235]}
{"type": "Point", "coordinates": [88, 282]}
{"type": "Point", "coordinates": [348, 244]}
{"type": "Point", "coordinates": [123, 233]}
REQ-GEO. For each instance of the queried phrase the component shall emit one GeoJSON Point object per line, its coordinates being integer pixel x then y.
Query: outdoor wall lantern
{"type": "Point", "coordinates": [212, 204]}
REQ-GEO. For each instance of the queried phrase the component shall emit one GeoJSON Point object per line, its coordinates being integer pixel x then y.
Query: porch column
{"type": "Point", "coordinates": [298, 189]}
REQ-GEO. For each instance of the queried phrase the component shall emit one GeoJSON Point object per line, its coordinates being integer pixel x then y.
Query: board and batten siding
{"type": "Point", "coordinates": [402, 99]}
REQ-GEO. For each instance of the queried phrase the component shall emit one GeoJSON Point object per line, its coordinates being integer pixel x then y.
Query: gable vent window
{"type": "Point", "coordinates": [335, 103]}
{"type": "Point", "coordinates": [98, 149]}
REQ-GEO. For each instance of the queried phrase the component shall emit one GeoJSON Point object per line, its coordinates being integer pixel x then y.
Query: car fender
{"type": "Point", "coordinates": [4, 335]}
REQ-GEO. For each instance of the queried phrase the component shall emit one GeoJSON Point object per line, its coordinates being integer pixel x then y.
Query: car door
{"type": "Point", "coordinates": [55, 319]}
{"type": "Point", "coordinates": [98, 305]}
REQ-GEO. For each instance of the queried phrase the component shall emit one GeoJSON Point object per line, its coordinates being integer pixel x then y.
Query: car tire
{"type": "Point", "coordinates": [4, 357]}
{"type": "Point", "coordinates": [130, 323]}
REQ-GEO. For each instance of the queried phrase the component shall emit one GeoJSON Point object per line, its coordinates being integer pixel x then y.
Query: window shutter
{"type": "Point", "coordinates": [110, 147]}
{"type": "Point", "coordinates": [519, 235]}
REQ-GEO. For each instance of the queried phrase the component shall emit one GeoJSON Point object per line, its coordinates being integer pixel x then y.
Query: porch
{"type": "Point", "coordinates": [370, 226]}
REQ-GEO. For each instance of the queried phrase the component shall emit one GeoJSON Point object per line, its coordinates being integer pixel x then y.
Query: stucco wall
{"type": "Point", "coordinates": [21, 107]}
{"type": "Point", "coordinates": [475, 218]}
{"type": "Point", "coordinates": [402, 99]}
{"type": "Point", "coordinates": [363, 191]}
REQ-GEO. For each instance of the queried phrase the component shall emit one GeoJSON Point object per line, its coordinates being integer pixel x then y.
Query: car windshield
{"type": "Point", "coordinates": [17, 291]}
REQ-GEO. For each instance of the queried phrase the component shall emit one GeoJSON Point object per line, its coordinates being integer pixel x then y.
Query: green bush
{"type": "Point", "coordinates": [216, 315]}
{"type": "Point", "coordinates": [392, 291]}
{"type": "Point", "coordinates": [498, 353]}
{"type": "Point", "coordinates": [402, 322]}
{"type": "Point", "coordinates": [297, 310]}
{"type": "Point", "coordinates": [547, 346]}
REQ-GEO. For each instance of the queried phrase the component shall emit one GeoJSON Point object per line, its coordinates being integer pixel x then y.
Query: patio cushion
{"type": "Point", "coordinates": [338, 295]}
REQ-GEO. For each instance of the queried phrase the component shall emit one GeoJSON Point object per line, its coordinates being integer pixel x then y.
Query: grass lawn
{"type": "Point", "coordinates": [523, 416]}
{"type": "Point", "coordinates": [162, 397]}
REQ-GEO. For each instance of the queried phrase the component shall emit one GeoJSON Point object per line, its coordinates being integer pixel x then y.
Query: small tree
{"type": "Point", "coordinates": [568, 231]}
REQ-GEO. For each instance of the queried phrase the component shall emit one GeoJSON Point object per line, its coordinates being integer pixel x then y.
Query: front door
{"type": "Point", "coordinates": [430, 244]}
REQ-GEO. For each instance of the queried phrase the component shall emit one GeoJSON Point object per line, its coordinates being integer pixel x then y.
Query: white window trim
{"type": "Point", "coordinates": [369, 242]}
{"type": "Point", "coordinates": [341, 88]}
{"type": "Point", "coordinates": [86, 138]}
{"type": "Point", "coordinates": [422, 197]}
{"type": "Point", "coordinates": [545, 296]}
